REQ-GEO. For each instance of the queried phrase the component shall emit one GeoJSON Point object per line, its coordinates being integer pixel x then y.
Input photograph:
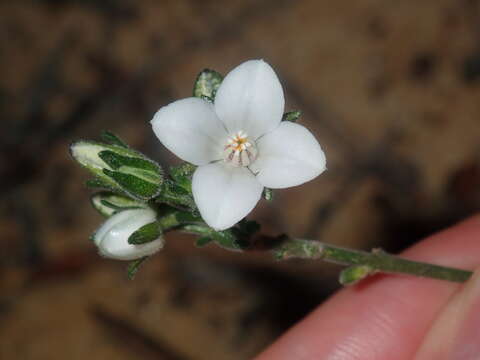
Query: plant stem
{"type": "Point", "coordinates": [360, 263]}
{"type": "Point", "coordinates": [375, 261]}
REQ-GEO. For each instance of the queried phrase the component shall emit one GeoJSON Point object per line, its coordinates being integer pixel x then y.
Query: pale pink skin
{"type": "Point", "coordinates": [387, 316]}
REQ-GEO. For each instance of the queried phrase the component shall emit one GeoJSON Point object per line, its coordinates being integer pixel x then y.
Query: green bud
{"type": "Point", "coordinates": [353, 274]}
{"type": "Point", "coordinates": [119, 169]}
{"type": "Point", "coordinates": [207, 84]}
{"type": "Point", "coordinates": [291, 116]}
{"type": "Point", "coordinates": [108, 203]}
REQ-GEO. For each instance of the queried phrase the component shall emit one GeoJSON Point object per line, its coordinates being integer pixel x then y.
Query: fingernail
{"type": "Point", "coordinates": [466, 341]}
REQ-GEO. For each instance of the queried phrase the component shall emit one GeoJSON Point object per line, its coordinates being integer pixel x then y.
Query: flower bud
{"type": "Point", "coordinates": [112, 238]}
{"type": "Point", "coordinates": [119, 169]}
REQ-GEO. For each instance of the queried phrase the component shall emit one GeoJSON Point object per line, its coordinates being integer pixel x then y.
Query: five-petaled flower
{"type": "Point", "coordinates": [240, 143]}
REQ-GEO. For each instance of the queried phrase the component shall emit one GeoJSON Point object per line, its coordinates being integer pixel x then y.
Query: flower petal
{"type": "Point", "coordinates": [250, 98]}
{"type": "Point", "coordinates": [191, 130]}
{"type": "Point", "coordinates": [288, 156]}
{"type": "Point", "coordinates": [112, 237]}
{"type": "Point", "coordinates": [224, 194]}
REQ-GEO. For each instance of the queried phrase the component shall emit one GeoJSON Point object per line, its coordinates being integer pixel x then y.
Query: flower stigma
{"type": "Point", "coordinates": [240, 150]}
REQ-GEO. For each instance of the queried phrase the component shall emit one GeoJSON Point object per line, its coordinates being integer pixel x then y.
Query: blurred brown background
{"type": "Point", "coordinates": [390, 88]}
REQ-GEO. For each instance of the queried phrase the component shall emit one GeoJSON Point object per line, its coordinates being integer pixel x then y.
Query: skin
{"type": "Point", "coordinates": [398, 317]}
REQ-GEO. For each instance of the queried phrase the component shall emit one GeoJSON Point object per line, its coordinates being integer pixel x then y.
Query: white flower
{"type": "Point", "coordinates": [112, 237]}
{"type": "Point", "coordinates": [239, 143]}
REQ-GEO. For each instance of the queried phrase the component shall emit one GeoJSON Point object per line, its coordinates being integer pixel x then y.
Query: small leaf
{"type": "Point", "coordinates": [98, 183]}
{"type": "Point", "coordinates": [182, 175]}
{"type": "Point", "coordinates": [116, 161]}
{"type": "Point", "coordinates": [182, 170]}
{"type": "Point", "coordinates": [267, 194]}
{"type": "Point", "coordinates": [207, 99]}
{"type": "Point", "coordinates": [113, 139]}
{"type": "Point", "coordinates": [133, 267]}
{"type": "Point", "coordinates": [226, 238]}
{"type": "Point", "coordinates": [202, 241]}
{"type": "Point", "coordinates": [145, 234]}
{"type": "Point", "coordinates": [133, 185]}
{"type": "Point", "coordinates": [176, 196]}
{"type": "Point", "coordinates": [291, 116]}
{"type": "Point", "coordinates": [354, 274]}
{"type": "Point", "coordinates": [108, 203]}
{"type": "Point", "coordinates": [207, 83]}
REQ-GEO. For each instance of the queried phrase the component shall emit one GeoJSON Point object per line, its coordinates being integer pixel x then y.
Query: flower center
{"type": "Point", "coordinates": [240, 150]}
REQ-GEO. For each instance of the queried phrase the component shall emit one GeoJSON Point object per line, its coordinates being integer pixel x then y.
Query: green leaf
{"type": "Point", "coordinates": [145, 234]}
{"type": "Point", "coordinates": [133, 267]}
{"type": "Point", "coordinates": [207, 99]}
{"type": "Point", "coordinates": [113, 139]}
{"type": "Point", "coordinates": [291, 116]}
{"type": "Point", "coordinates": [134, 185]}
{"type": "Point", "coordinates": [202, 241]}
{"type": "Point", "coordinates": [207, 83]}
{"type": "Point", "coordinates": [267, 194]}
{"type": "Point", "coordinates": [227, 239]}
{"type": "Point", "coordinates": [182, 175]}
{"type": "Point", "coordinates": [99, 183]}
{"type": "Point", "coordinates": [354, 274]}
{"type": "Point", "coordinates": [176, 196]}
{"type": "Point", "coordinates": [108, 203]}
{"type": "Point", "coordinates": [116, 161]}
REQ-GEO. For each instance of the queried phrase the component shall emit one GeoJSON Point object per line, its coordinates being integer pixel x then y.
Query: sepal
{"type": "Point", "coordinates": [267, 194]}
{"type": "Point", "coordinates": [113, 139]}
{"type": "Point", "coordinates": [292, 116]}
{"type": "Point", "coordinates": [147, 233]}
{"type": "Point", "coordinates": [206, 85]}
{"type": "Point", "coordinates": [108, 203]}
{"type": "Point", "coordinates": [134, 266]}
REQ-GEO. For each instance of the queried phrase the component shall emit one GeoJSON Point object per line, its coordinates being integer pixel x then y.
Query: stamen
{"type": "Point", "coordinates": [239, 150]}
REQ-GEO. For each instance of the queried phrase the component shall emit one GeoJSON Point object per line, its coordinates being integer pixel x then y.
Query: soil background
{"type": "Point", "coordinates": [391, 89]}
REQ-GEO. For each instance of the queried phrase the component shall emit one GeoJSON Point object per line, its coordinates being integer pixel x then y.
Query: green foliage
{"type": "Point", "coordinates": [99, 183]}
{"type": "Point", "coordinates": [133, 267]}
{"type": "Point", "coordinates": [177, 196]}
{"type": "Point", "coordinates": [202, 241]}
{"type": "Point", "coordinates": [145, 234]}
{"type": "Point", "coordinates": [292, 116]}
{"type": "Point", "coordinates": [117, 161]}
{"type": "Point", "coordinates": [206, 85]}
{"type": "Point", "coordinates": [108, 203]}
{"type": "Point", "coordinates": [119, 168]}
{"type": "Point", "coordinates": [182, 175]}
{"type": "Point", "coordinates": [354, 274]}
{"type": "Point", "coordinates": [236, 238]}
{"type": "Point", "coordinates": [267, 194]}
{"type": "Point", "coordinates": [113, 139]}
{"type": "Point", "coordinates": [133, 185]}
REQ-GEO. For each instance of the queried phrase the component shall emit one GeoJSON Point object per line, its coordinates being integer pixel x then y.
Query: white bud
{"type": "Point", "coordinates": [112, 237]}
